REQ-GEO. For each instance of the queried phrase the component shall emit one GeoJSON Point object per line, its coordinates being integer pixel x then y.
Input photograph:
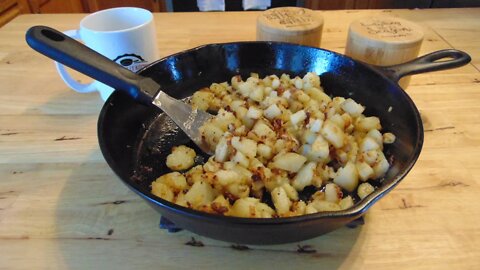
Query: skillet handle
{"type": "Point", "coordinates": [439, 60]}
{"type": "Point", "coordinates": [63, 49]}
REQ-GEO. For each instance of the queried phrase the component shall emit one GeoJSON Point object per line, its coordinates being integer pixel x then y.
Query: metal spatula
{"type": "Point", "coordinates": [74, 54]}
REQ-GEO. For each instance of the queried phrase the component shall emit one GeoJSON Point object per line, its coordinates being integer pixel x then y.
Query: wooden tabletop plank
{"type": "Point", "coordinates": [61, 207]}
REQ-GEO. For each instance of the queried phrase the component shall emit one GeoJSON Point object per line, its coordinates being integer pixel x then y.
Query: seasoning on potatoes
{"type": "Point", "coordinates": [277, 135]}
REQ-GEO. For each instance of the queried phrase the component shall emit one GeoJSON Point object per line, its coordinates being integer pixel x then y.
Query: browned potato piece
{"type": "Point", "coordinates": [181, 158]}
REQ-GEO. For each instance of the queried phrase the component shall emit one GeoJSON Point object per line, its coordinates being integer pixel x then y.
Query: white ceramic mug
{"type": "Point", "coordinates": [125, 35]}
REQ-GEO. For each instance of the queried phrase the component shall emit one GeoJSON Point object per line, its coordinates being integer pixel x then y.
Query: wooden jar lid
{"type": "Point", "coordinates": [384, 41]}
{"type": "Point", "coordinates": [290, 24]}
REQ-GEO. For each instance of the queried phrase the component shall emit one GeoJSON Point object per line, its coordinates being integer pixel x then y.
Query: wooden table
{"type": "Point", "coordinates": [62, 207]}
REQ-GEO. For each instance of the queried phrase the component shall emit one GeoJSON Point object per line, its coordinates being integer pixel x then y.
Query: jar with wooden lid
{"type": "Point", "coordinates": [290, 24]}
{"type": "Point", "coordinates": [384, 41]}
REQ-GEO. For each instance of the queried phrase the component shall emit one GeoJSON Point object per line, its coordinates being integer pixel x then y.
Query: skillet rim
{"type": "Point", "coordinates": [357, 210]}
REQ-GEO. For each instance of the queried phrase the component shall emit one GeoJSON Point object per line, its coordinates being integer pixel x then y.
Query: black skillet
{"type": "Point", "coordinates": [135, 139]}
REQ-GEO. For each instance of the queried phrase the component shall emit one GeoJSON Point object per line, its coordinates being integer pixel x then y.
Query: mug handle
{"type": "Point", "coordinates": [71, 82]}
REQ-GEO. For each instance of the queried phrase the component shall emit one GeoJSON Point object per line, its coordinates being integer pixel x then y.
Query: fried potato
{"type": "Point", "coordinates": [273, 137]}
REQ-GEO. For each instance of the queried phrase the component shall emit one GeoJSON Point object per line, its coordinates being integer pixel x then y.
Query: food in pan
{"type": "Point", "coordinates": [274, 138]}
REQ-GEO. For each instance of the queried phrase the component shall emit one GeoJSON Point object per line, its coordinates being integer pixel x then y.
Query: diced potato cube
{"type": "Point", "coordinates": [220, 205]}
{"type": "Point", "coordinates": [333, 193]}
{"type": "Point", "coordinates": [304, 176]}
{"type": "Point", "coordinates": [341, 156]}
{"type": "Point", "coordinates": [303, 97]}
{"type": "Point", "coordinates": [375, 135]}
{"type": "Point", "coordinates": [370, 157]}
{"type": "Point", "coordinates": [318, 95]}
{"type": "Point", "coordinates": [347, 123]}
{"type": "Point", "coordinates": [251, 207]}
{"type": "Point", "coordinates": [364, 170]}
{"type": "Point", "coordinates": [295, 106]}
{"type": "Point", "coordinates": [181, 158]}
{"type": "Point", "coordinates": [311, 80]}
{"type": "Point", "coordinates": [320, 149]}
{"type": "Point", "coordinates": [381, 166]}
{"type": "Point", "coordinates": [264, 151]}
{"type": "Point", "coordinates": [226, 178]}
{"type": "Point", "coordinates": [338, 120]}
{"type": "Point", "coordinates": [275, 83]}
{"type": "Point", "coordinates": [222, 150]}
{"type": "Point", "coordinates": [277, 179]}
{"type": "Point", "coordinates": [333, 134]}
{"type": "Point", "coordinates": [255, 164]}
{"type": "Point", "coordinates": [287, 94]}
{"type": "Point", "coordinates": [367, 123]}
{"type": "Point", "coordinates": [246, 146]}
{"type": "Point", "coordinates": [280, 200]}
{"type": "Point", "coordinates": [298, 82]}
{"type": "Point", "coordinates": [201, 99]}
{"type": "Point", "coordinates": [323, 206]}
{"type": "Point", "coordinates": [347, 177]}
{"type": "Point", "coordinates": [195, 174]}
{"type": "Point", "coordinates": [248, 122]}
{"type": "Point", "coordinates": [291, 191]}
{"type": "Point", "coordinates": [315, 125]}
{"type": "Point", "coordinates": [240, 131]}
{"type": "Point", "coordinates": [291, 162]}
{"type": "Point", "coordinates": [346, 202]}
{"type": "Point", "coordinates": [234, 105]}
{"type": "Point", "coordinates": [240, 159]}
{"type": "Point", "coordinates": [388, 138]}
{"type": "Point", "coordinates": [352, 107]}
{"type": "Point", "coordinates": [244, 173]}
{"type": "Point", "coordinates": [285, 79]}
{"type": "Point", "coordinates": [309, 136]}
{"type": "Point", "coordinates": [238, 190]}
{"type": "Point", "coordinates": [257, 94]}
{"type": "Point", "coordinates": [298, 117]}
{"type": "Point", "coordinates": [272, 112]}
{"type": "Point", "coordinates": [245, 88]}
{"type": "Point", "coordinates": [319, 196]}
{"type": "Point", "coordinates": [211, 134]}
{"type": "Point", "coordinates": [262, 210]}
{"type": "Point", "coordinates": [224, 118]}
{"type": "Point", "coordinates": [211, 165]}
{"type": "Point", "coordinates": [267, 90]}
{"type": "Point", "coordinates": [201, 193]}
{"type": "Point", "coordinates": [310, 209]}
{"type": "Point", "coordinates": [254, 112]}
{"type": "Point", "coordinates": [368, 144]}
{"type": "Point", "coordinates": [161, 190]}
{"type": "Point", "coordinates": [236, 81]}
{"type": "Point", "coordinates": [180, 199]}
{"type": "Point", "coordinates": [364, 189]}
{"type": "Point", "coordinates": [298, 208]}
{"type": "Point", "coordinates": [262, 130]}
{"type": "Point", "coordinates": [218, 89]}
{"type": "Point", "coordinates": [244, 207]}
{"type": "Point", "coordinates": [174, 180]}
{"type": "Point", "coordinates": [337, 103]}
{"type": "Point", "coordinates": [352, 148]}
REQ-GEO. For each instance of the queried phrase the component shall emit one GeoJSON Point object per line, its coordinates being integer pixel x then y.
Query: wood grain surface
{"type": "Point", "coordinates": [61, 207]}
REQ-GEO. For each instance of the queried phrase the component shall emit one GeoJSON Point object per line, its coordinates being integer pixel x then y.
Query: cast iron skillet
{"type": "Point", "coordinates": [135, 139]}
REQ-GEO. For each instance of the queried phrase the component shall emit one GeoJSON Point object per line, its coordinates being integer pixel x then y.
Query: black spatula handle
{"type": "Point", "coordinates": [74, 54]}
